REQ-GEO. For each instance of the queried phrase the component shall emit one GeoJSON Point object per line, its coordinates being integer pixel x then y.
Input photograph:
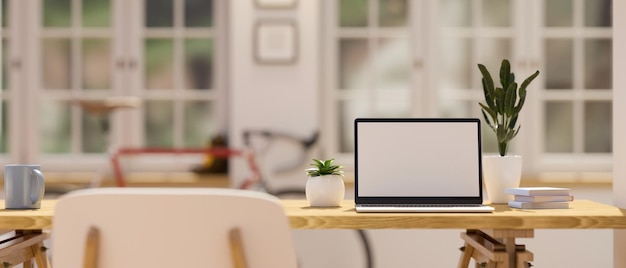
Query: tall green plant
{"type": "Point", "coordinates": [503, 104]}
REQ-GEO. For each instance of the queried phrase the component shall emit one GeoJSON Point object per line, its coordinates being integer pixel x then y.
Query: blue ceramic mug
{"type": "Point", "coordinates": [23, 186]}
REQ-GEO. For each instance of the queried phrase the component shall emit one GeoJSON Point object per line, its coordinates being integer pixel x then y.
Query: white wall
{"type": "Point", "coordinates": [280, 98]}
{"type": "Point", "coordinates": [619, 125]}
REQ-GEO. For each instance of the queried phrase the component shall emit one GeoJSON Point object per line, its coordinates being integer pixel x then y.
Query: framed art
{"type": "Point", "coordinates": [275, 42]}
{"type": "Point", "coordinates": [275, 4]}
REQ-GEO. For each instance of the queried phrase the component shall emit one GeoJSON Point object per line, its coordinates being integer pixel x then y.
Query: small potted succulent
{"type": "Point", "coordinates": [325, 186]}
{"type": "Point", "coordinates": [503, 104]}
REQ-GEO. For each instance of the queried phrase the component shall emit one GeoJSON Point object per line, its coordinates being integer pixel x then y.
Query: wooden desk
{"type": "Point", "coordinates": [23, 237]}
{"type": "Point", "coordinates": [504, 225]}
{"type": "Point", "coordinates": [583, 214]}
{"type": "Point", "coordinates": [490, 237]}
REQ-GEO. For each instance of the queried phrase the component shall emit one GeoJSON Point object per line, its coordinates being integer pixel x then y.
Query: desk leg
{"type": "Point", "coordinates": [496, 248]}
{"type": "Point", "coordinates": [23, 247]}
{"type": "Point", "coordinates": [509, 244]}
{"type": "Point", "coordinates": [466, 256]}
{"type": "Point", "coordinates": [41, 255]}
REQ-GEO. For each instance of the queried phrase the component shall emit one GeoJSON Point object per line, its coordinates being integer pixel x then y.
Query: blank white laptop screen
{"type": "Point", "coordinates": [406, 161]}
{"type": "Point", "coordinates": [418, 159]}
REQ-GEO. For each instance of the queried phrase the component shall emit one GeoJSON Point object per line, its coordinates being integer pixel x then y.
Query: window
{"type": "Point", "coordinates": [566, 121]}
{"type": "Point", "coordinates": [160, 51]}
{"type": "Point", "coordinates": [575, 99]}
{"type": "Point", "coordinates": [372, 72]}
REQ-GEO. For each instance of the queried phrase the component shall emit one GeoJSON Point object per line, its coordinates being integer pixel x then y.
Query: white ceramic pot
{"type": "Point", "coordinates": [325, 191]}
{"type": "Point", "coordinates": [499, 173]}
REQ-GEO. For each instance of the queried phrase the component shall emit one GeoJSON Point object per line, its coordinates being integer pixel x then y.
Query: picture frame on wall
{"type": "Point", "coordinates": [275, 42]}
{"type": "Point", "coordinates": [275, 4]}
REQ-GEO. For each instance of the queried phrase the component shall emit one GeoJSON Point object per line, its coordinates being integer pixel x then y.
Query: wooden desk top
{"type": "Point", "coordinates": [33, 219]}
{"type": "Point", "coordinates": [584, 214]}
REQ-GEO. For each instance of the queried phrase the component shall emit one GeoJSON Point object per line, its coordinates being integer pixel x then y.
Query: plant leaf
{"type": "Point", "coordinates": [505, 70]}
{"type": "Point", "coordinates": [491, 113]}
{"type": "Point", "coordinates": [528, 80]}
{"type": "Point", "coordinates": [499, 100]}
{"type": "Point", "coordinates": [513, 121]}
{"type": "Point", "coordinates": [488, 96]}
{"type": "Point", "coordinates": [487, 80]}
{"type": "Point", "coordinates": [509, 98]}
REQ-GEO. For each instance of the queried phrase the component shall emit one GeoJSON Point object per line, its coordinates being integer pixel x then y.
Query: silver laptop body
{"type": "Point", "coordinates": [418, 165]}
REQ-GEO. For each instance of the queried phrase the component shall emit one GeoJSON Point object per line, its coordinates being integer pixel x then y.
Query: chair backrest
{"type": "Point", "coordinates": [171, 227]}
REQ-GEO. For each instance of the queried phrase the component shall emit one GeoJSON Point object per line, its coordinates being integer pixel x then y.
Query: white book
{"type": "Point", "coordinates": [534, 191]}
{"type": "Point", "coordinates": [544, 198]}
{"type": "Point", "coordinates": [538, 205]}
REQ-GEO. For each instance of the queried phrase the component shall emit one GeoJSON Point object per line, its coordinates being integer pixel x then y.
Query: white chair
{"type": "Point", "coordinates": [171, 227]}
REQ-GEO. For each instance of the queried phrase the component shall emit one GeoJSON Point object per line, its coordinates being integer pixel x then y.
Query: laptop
{"type": "Point", "coordinates": [418, 165]}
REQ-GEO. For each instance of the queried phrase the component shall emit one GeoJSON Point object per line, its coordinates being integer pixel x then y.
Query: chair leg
{"type": "Point", "coordinates": [90, 260]}
{"type": "Point", "coordinates": [236, 248]}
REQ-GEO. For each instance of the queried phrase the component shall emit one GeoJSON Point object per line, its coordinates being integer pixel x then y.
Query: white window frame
{"type": "Point", "coordinates": [126, 29]}
{"type": "Point", "coordinates": [527, 56]}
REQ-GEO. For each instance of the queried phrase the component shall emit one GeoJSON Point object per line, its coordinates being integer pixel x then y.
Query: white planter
{"type": "Point", "coordinates": [325, 191]}
{"type": "Point", "coordinates": [499, 173]}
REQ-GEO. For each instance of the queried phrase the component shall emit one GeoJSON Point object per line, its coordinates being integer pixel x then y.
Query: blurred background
{"type": "Point", "coordinates": [192, 64]}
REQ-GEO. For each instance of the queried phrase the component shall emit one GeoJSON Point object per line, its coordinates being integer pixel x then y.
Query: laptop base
{"type": "Point", "coordinates": [424, 209]}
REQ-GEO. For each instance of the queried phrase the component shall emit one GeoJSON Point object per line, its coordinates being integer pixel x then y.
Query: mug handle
{"type": "Point", "coordinates": [38, 196]}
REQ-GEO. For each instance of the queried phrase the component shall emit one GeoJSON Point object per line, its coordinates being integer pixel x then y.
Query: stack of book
{"type": "Point", "coordinates": [540, 197]}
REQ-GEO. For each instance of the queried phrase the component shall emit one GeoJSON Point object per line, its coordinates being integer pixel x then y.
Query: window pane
{"type": "Point", "coordinates": [455, 13]}
{"type": "Point", "coordinates": [199, 63]}
{"type": "Point", "coordinates": [5, 127]}
{"type": "Point", "coordinates": [463, 108]}
{"type": "Point", "coordinates": [559, 127]}
{"type": "Point", "coordinates": [393, 68]}
{"type": "Point", "coordinates": [598, 127]}
{"type": "Point", "coordinates": [598, 64]}
{"type": "Point", "coordinates": [498, 13]}
{"type": "Point", "coordinates": [96, 13]}
{"type": "Point", "coordinates": [56, 63]}
{"type": "Point", "coordinates": [493, 51]}
{"type": "Point", "coordinates": [454, 108]}
{"type": "Point", "coordinates": [199, 126]}
{"type": "Point", "coordinates": [353, 63]}
{"type": "Point", "coordinates": [598, 13]}
{"type": "Point", "coordinates": [5, 77]}
{"type": "Point", "coordinates": [159, 63]}
{"type": "Point", "coordinates": [95, 129]}
{"type": "Point", "coordinates": [159, 13]}
{"type": "Point", "coordinates": [392, 13]}
{"type": "Point", "coordinates": [57, 13]}
{"type": "Point", "coordinates": [397, 106]}
{"type": "Point", "coordinates": [559, 63]}
{"type": "Point", "coordinates": [559, 13]}
{"type": "Point", "coordinates": [456, 63]}
{"type": "Point", "coordinates": [96, 63]}
{"type": "Point", "coordinates": [348, 111]}
{"type": "Point", "coordinates": [5, 7]}
{"type": "Point", "coordinates": [54, 131]}
{"type": "Point", "coordinates": [353, 13]}
{"type": "Point", "coordinates": [159, 123]}
{"type": "Point", "coordinates": [198, 13]}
